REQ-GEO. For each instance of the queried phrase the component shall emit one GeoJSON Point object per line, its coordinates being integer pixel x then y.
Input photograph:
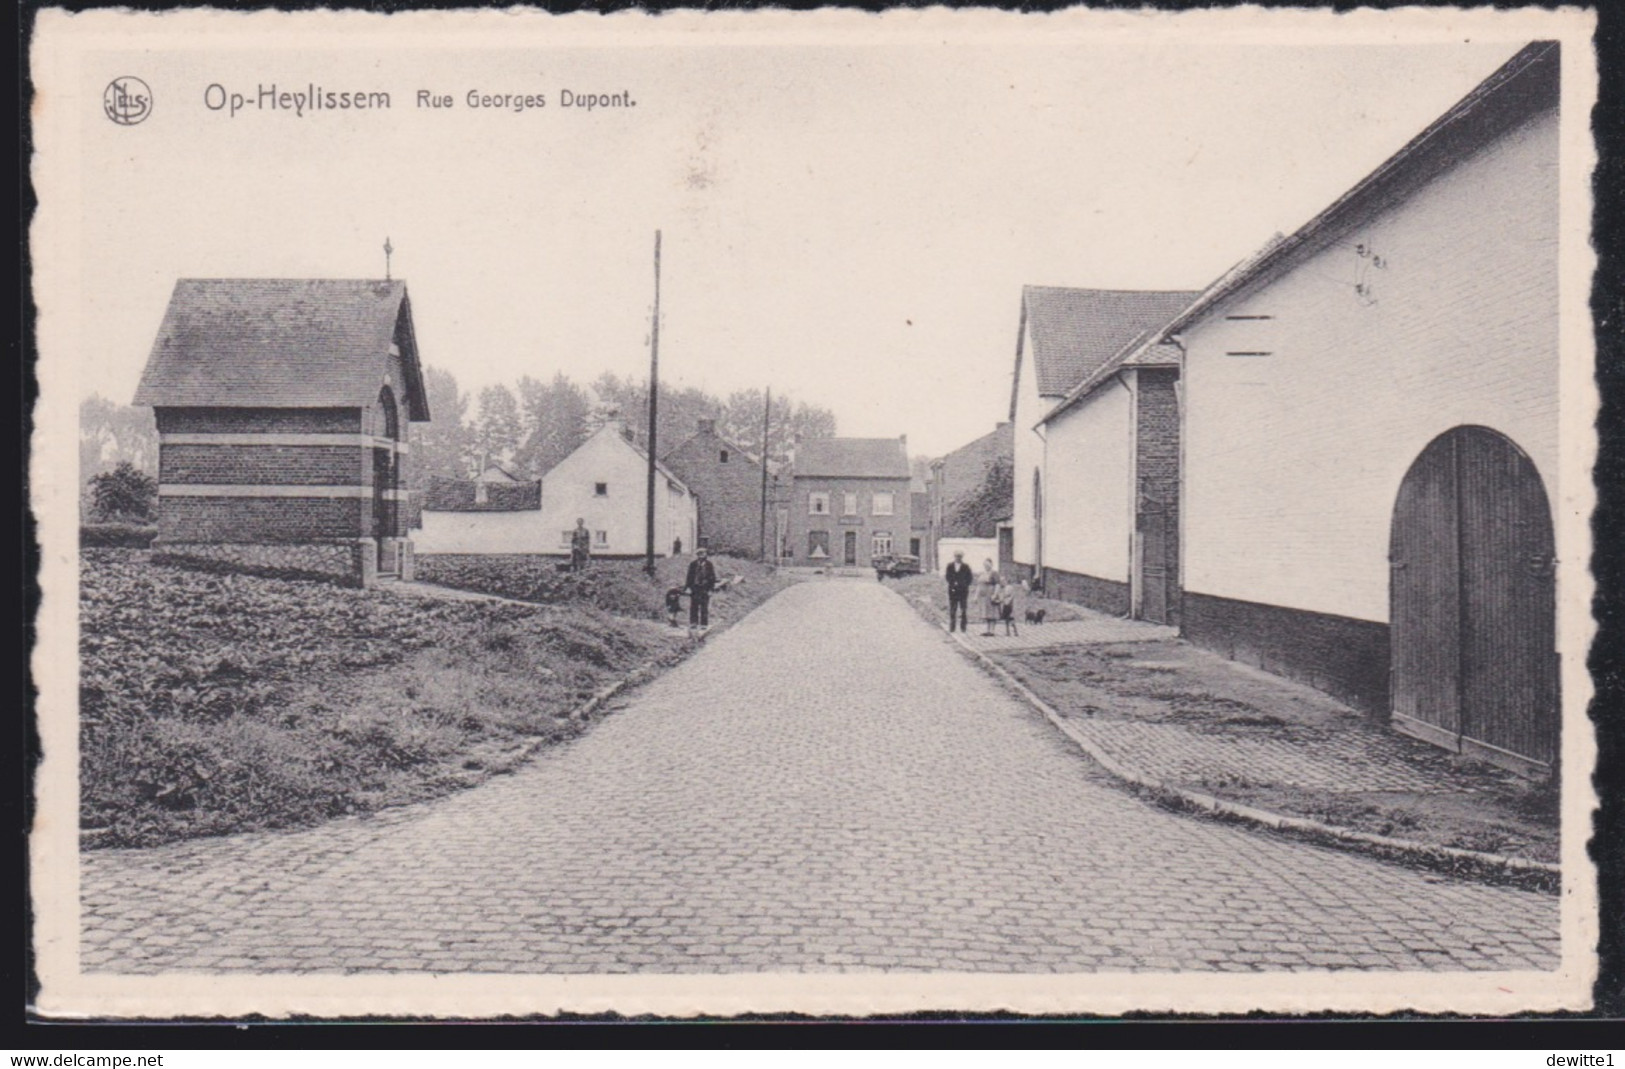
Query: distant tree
{"type": "Point", "coordinates": [742, 422]}
{"type": "Point", "coordinates": [556, 418]}
{"type": "Point", "coordinates": [124, 495]}
{"type": "Point", "coordinates": [444, 446]}
{"type": "Point", "coordinates": [979, 512]}
{"type": "Point", "coordinates": [628, 400]}
{"type": "Point", "coordinates": [497, 428]}
{"type": "Point", "coordinates": [616, 398]}
{"type": "Point", "coordinates": [811, 421]}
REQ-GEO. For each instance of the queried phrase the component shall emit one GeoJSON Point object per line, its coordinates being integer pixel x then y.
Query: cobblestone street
{"type": "Point", "coordinates": [828, 785]}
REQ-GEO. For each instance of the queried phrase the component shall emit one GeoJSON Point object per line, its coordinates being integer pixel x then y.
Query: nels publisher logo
{"type": "Point", "coordinates": [127, 100]}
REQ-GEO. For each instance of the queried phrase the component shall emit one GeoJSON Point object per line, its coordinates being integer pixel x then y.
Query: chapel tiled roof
{"type": "Point", "coordinates": [281, 343]}
{"type": "Point", "coordinates": [851, 458]}
{"type": "Point", "coordinates": [1075, 331]}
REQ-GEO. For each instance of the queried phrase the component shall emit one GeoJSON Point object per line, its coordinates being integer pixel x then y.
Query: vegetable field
{"type": "Point", "coordinates": [213, 703]}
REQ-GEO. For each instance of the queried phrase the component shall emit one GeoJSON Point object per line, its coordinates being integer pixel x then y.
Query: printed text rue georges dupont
{"type": "Point", "coordinates": [312, 98]}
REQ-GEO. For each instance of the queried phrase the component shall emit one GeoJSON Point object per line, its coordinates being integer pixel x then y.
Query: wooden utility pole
{"type": "Point", "coordinates": [654, 411]}
{"type": "Point", "coordinates": [767, 412]}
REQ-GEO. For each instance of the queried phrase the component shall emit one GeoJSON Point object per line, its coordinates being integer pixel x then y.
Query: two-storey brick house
{"type": "Point", "coordinates": [849, 501]}
{"type": "Point", "coordinates": [283, 409]}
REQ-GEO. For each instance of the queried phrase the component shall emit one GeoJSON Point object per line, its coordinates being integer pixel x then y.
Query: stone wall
{"type": "Point", "coordinates": [351, 563]}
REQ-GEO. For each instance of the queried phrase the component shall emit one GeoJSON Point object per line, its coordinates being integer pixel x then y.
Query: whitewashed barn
{"type": "Point", "coordinates": [1371, 435]}
{"type": "Point", "coordinates": [1066, 336]}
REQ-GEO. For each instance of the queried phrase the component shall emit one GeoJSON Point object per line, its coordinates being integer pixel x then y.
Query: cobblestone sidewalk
{"type": "Point", "coordinates": [827, 786]}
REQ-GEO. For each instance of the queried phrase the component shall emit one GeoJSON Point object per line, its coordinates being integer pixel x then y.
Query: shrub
{"type": "Point", "coordinates": [124, 494]}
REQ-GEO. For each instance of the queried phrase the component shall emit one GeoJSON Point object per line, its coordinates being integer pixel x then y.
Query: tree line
{"type": "Point", "coordinates": [527, 429]}
{"type": "Point", "coordinates": [531, 427]}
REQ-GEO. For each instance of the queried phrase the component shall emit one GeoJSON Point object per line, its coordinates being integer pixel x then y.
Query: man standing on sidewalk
{"type": "Point", "coordinates": [702, 579]}
{"type": "Point", "coordinates": [959, 581]}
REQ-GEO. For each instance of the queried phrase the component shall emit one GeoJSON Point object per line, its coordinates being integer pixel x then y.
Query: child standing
{"type": "Point", "coordinates": [674, 604]}
{"type": "Point", "coordinates": [1009, 605]}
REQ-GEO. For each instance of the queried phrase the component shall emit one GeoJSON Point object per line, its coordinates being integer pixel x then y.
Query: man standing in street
{"type": "Point", "coordinates": [959, 581]}
{"type": "Point", "coordinates": [580, 546]}
{"type": "Point", "coordinates": [702, 579]}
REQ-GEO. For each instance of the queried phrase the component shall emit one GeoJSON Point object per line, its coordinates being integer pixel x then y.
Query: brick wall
{"type": "Point", "coordinates": [729, 493]}
{"type": "Point", "coordinates": [1156, 462]}
{"type": "Point", "coordinates": [260, 519]}
{"type": "Point", "coordinates": [1294, 459]}
{"type": "Point", "coordinates": [287, 465]}
{"type": "Point", "coordinates": [349, 563]}
{"type": "Point", "coordinates": [1346, 658]}
{"type": "Point", "coordinates": [259, 420]}
{"type": "Point", "coordinates": [1102, 595]}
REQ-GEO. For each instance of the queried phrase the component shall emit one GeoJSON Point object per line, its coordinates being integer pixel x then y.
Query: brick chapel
{"type": "Point", "coordinates": [283, 409]}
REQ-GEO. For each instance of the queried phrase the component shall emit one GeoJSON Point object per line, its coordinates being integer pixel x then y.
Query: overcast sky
{"type": "Point", "coordinates": [850, 223]}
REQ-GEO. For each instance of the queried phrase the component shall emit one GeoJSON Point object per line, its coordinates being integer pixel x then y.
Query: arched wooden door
{"type": "Point", "coordinates": [1473, 602]}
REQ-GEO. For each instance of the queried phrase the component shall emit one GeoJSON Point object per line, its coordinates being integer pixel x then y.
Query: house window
{"type": "Point", "coordinates": [818, 545]}
{"type": "Point", "coordinates": [600, 489]}
{"type": "Point", "coordinates": [723, 456]}
{"type": "Point", "coordinates": [564, 537]}
{"type": "Point", "coordinates": [849, 504]}
{"type": "Point", "coordinates": [601, 538]}
{"type": "Point", "coordinates": [882, 544]}
{"type": "Point", "coordinates": [818, 503]}
{"type": "Point", "coordinates": [882, 504]}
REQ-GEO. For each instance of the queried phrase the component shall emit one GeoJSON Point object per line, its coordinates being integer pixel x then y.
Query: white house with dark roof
{"type": "Point", "coordinates": [604, 482]}
{"type": "Point", "coordinates": [1067, 335]}
{"type": "Point", "coordinates": [849, 501]}
{"type": "Point", "coordinates": [283, 409]}
{"type": "Point", "coordinates": [1372, 436]}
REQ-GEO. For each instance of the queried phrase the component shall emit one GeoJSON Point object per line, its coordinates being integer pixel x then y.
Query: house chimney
{"type": "Point", "coordinates": [708, 426]}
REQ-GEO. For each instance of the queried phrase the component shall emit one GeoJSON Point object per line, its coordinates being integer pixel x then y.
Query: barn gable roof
{"type": "Point", "coordinates": [851, 458]}
{"type": "Point", "coordinates": [1151, 348]}
{"type": "Point", "coordinates": [1075, 331]}
{"type": "Point", "coordinates": [282, 343]}
{"type": "Point", "coordinates": [1524, 86]}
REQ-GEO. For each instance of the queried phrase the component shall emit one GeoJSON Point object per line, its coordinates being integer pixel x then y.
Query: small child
{"type": "Point", "coordinates": [674, 604]}
{"type": "Point", "coordinates": [1009, 599]}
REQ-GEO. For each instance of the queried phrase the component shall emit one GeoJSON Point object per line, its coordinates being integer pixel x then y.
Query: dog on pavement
{"type": "Point", "coordinates": [1035, 616]}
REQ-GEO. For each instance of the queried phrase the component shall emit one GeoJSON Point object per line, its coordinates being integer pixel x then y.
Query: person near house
{"type": "Point", "coordinates": [677, 547]}
{"type": "Point", "coordinates": [960, 577]}
{"type": "Point", "coordinates": [702, 579]}
{"type": "Point", "coordinates": [674, 604]}
{"type": "Point", "coordinates": [987, 588]}
{"type": "Point", "coordinates": [1009, 604]}
{"type": "Point", "coordinates": [580, 546]}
